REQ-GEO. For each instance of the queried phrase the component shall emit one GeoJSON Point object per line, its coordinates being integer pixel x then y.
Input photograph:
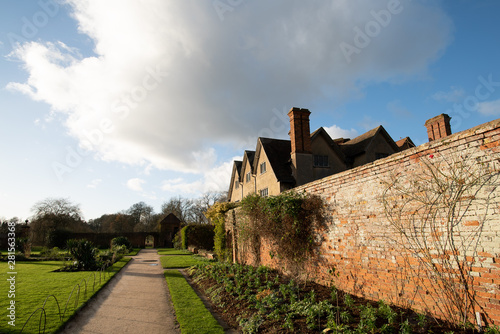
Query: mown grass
{"type": "Point", "coordinates": [181, 261]}
{"type": "Point", "coordinates": [134, 251]}
{"type": "Point", "coordinates": [35, 281]}
{"type": "Point", "coordinates": [173, 251]}
{"type": "Point", "coordinates": [191, 314]}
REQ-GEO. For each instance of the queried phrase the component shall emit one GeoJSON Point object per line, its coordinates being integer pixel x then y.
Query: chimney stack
{"type": "Point", "coordinates": [300, 134]}
{"type": "Point", "coordinates": [438, 127]}
{"type": "Point", "coordinates": [301, 154]}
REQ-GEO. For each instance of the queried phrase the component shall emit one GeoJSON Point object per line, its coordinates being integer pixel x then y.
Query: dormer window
{"type": "Point", "coordinates": [248, 177]}
{"type": "Point", "coordinates": [320, 161]}
{"type": "Point", "coordinates": [263, 167]}
{"type": "Point", "coordinates": [236, 185]}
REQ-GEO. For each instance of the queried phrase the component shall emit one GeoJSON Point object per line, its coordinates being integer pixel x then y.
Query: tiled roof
{"type": "Point", "coordinates": [278, 152]}
{"type": "Point", "coordinates": [238, 165]}
{"type": "Point", "coordinates": [360, 144]}
{"type": "Point", "coordinates": [405, 143]}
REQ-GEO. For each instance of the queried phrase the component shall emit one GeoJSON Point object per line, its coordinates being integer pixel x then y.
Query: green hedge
{"type": "Point", "coordinates": [200, 236]}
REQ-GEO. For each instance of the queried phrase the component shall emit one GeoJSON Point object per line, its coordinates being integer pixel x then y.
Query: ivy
{"type": "Point", "coordinates": [288, 221]}
{"type": "Point", "coordinates": [216, 213]}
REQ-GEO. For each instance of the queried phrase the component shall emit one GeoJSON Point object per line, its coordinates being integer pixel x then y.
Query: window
{"type": "Point", "coordinates": [236, 184]}
{"type": "Point", "coordinates": [263, 168]}
{"type": "Point", "coordinates": [381, 155]}
{"type": "Point", "coordinates": [248, 177]}
{"type": "Point", "coordinates": [264, 192]}
{"type": "Point", "coordinates": [320, 161]}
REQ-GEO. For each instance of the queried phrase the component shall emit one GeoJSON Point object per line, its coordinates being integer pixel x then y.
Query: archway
{"type": "Point", "coordinates": [150, 241]}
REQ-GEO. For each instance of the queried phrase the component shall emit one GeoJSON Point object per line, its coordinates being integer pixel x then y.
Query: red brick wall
{"type": "Point", "coordinates": [361, 244]}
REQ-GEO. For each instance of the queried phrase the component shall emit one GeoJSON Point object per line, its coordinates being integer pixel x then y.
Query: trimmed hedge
{"type": "Point", "coordinates": [199, 236]}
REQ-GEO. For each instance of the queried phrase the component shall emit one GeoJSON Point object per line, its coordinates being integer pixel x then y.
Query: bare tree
{"type": "Point", "coordinates": [202, 204]}
{"type": "Point", "coordinates": [55, 214]}
{"type": "Point", "coordinates": [56, 207]}
{"type": "Point", "coordinates": [180, 207]}
{"type": "Point", "coordinates": [143, 216]}
{"type": "Point", "coordinates": [192, 210]}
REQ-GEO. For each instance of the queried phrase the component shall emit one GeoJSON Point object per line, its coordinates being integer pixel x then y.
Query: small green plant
{"type": "Point", "coordinates": [422, 319]}
{"type": "Point", "coordinates": [492, 330]}
{"type": "Point", "coordinates": [386, 312]}
{"type": "Point", "coordinates": [336, 328]}
{"type": "Point", "coordinates": [252, 324]}
{"type": "Point", "coordinates": [345, 317]}
{"type": "Point", "coordinates": [368, 317]}
{"type": "Point", "coordinates": [348, 301]}
{"type": "Point", "coordinates": [333, 293]}
{"type": "Point", "coordinates": [288, 323]}
{"type": "Point", "coordinates": [387, 329]}
{"type": "Point", "coordinates": [405, 327]}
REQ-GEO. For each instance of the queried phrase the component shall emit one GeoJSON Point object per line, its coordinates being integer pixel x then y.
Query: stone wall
{"type": "Point", "coordinates": [373, 259]}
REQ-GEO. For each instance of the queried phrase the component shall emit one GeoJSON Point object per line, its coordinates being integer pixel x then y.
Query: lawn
{"type": "Point", "coordinates": [191, 314]}
{"type": "Point", "coordinates": [181, 261]}
{"type": "Point", "coordinates": [35, 281]}
{"type": "Point", "coordinates": [173, 251]}
{"type": "Point", "coordinates": [134, 251]}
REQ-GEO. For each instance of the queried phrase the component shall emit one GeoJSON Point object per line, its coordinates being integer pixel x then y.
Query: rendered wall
{"type": "Point", "coordinates": [364, 248]}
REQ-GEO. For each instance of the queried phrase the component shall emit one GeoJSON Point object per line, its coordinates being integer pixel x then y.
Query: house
{"type": "Point", "coordinates": [277, 165]}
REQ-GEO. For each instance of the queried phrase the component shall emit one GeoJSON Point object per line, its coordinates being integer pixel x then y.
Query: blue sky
{"type": "Point", "coordinates": [109, 103]}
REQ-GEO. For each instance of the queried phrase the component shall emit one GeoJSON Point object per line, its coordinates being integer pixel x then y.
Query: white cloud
{"type": "Point", "coordinates": [213, 179]}
{"type": "Point", "coordinates": [94, 183]}
{"type": "Point", "coordinates": [489, 108]}
{"type": "Point", "coordinates": [135, 184]}
{"type": "Point", "coordinates": [179, 185]}
{"type": "Point", "coordinates": [170, 79]}
{"type": "Point", "coordinates": [336, 132]}
{"type": "Point", "coordinates": [455, 94]}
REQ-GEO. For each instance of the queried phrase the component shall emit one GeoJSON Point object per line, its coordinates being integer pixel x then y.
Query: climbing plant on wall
{"type": "Point", "coordinates": [216, 213]}
{"type": "Point", "coordinates": [440, 212]}
{"type": "Point", "coordinates": [288, 222]}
